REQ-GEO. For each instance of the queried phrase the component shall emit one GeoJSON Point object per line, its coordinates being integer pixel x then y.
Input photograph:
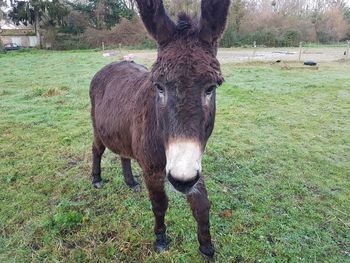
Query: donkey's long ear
{"type": "Point", "coordinates": [156, 20]}
{"type": "Point", "coordinates": [213, 19]}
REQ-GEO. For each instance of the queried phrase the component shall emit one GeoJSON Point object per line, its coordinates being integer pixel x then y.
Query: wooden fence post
{"type": "Point", "coordinates": [348, 50]}
{"type": "Point", "coordinates": [254, 51]}
{"type": "Point", "coordinates": [300, 50]}
{"type": "Point", "coordinates": [103, 46]}
{"type": "Point", "coordinates": [254, 48]}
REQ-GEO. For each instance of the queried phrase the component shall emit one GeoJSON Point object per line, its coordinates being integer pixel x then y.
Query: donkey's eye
{"type": "Point", "coordinates": [210, 90]}
{"type": "Point", "coordinates": [160, 89]}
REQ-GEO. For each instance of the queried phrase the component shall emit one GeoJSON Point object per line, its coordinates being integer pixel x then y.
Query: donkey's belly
{"type": "Point", "coordinates": [114, 120]}
{"type": "Point", "coordinates": [117, 139]}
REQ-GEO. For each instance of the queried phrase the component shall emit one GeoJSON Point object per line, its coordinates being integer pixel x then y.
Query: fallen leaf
{"type": "Point", "coordinates": [226, 214]}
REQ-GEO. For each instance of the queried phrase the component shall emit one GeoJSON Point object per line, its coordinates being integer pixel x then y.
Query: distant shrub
{"type": "Point", "coordinates": [126, 33]}
{"type": "Point", "coordinates": [76, 23]}
{"type": "Point", "coordinates": [230, 38]}
{"type": "Point", "coordinates": [69, 42]}
{"type": "Point", "coordinates": [324, 37]}
{"type": "Point", "coordinates": [262, 38]}
{"type": "Point", "coordinates": [146, 43]}
{"type": "Point", "coordinates": [269, 38]}
{"type": "Point", "coordinates": [290, 39]}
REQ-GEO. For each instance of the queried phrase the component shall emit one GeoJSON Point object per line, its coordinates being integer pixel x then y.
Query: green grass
{"type": "Point", "coordinates": [276, 167]}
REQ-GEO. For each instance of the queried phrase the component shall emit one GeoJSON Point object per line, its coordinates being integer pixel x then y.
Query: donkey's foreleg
{"type": "Point", "coordinates": [97, 150]}
{"type": "Point", "coordinates": [159, 200]}
{"type": "Point", "coordinates": [200, 206]}
{"type": "Point", "coordinates": [128, 176]}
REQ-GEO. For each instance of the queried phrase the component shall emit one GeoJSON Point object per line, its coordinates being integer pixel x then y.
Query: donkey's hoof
{"type": "Point", "coordinates": [162, 243]}
{"type": "Point", "coordinates": [136, 188]}
{"type": "Point", "coordinates": [97, 185]}
{"type": "Point", "coordinates": [207, 251]}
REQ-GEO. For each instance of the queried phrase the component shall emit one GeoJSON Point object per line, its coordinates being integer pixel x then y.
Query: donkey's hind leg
{"type": "Point", "coordinates": [128, 176]}
{"type": "Point", "coordinates": [98, 149]}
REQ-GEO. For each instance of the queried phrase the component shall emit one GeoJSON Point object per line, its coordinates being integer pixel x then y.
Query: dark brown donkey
{"type": "Point", "coordinates": [163, 118]}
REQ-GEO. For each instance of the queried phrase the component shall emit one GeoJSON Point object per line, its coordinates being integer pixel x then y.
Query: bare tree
{"type": "Point", "coordinates": [332, 25]}
{"type": "Point", "coordinates": [2, 12]}
{"type": "Point", "coordinates": [188, 6]}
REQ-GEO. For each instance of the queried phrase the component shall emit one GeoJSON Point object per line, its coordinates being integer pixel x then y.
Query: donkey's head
{"type": "Point", "coordinates": [185, 77]}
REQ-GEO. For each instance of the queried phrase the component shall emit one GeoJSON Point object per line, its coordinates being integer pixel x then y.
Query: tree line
{"type": "Point", "coordinates": [86, 23]}
{"type": "Point", "coordinates": [279, 22]}
{"type": "Point", "coordinates": [287, 22]}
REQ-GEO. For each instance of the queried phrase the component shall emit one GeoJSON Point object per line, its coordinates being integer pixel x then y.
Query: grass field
{"type": "Point", "coordinates": [277, 169]}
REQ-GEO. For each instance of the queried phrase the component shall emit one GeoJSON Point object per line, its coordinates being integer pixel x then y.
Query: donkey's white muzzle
{"type": "Point", "coordinates": [184, 158]}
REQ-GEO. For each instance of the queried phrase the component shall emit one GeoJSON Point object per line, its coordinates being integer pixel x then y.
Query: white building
{"type": "Point", "coordinates": [21, 35]}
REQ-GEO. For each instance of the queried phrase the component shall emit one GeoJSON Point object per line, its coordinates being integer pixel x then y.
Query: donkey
{"type": "Point", "coordinates": [164, 118]}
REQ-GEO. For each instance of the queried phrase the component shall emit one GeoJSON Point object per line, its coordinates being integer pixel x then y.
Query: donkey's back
{"type": "Point", "coordinates": [115, 78]}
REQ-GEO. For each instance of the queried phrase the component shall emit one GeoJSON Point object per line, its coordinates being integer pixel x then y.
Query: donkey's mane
{"type": "Point", "coordinates": [186, 24]}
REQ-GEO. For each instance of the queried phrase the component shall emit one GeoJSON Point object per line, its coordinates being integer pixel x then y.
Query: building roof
{"type": "Point", "coordinates": [8, 25]}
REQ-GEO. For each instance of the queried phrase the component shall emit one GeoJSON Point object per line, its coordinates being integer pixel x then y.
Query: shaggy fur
{"type": "Point", "coordinates": [135, 113]}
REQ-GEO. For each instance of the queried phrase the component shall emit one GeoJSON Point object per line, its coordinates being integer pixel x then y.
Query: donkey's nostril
{"type": "Point", "coordinates": [183, 186]}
